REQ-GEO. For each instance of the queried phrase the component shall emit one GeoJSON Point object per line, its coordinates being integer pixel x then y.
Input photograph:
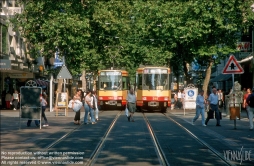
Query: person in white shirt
{"type": "Point", "coordinates": [213, 103]}
{"type": "Point", "coordinates": [179, 99]}
{"type": "Point", "coordinates": [131, 104]}
{"type": "Point", "coordinates": [15, 99]}
{"type": "Point", "coordinates": [220, 97]}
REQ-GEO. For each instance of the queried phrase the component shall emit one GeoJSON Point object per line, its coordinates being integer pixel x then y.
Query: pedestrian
{"type": "Point", "coordinates": [15, 99]}
{"type": "Point", "coordinates": [250, 108]}
{"type": "Point", "coordinates": [77, 96]}
{"type": "Point", "coordinates": [37, 123]}
{"type": "Point", "coordinates": [3, 94]}
{"type": "Point", "coordinates": [245, 104]}
{"type": "Point", "coordinates": [220, 97]}
{"type": "Point", "coordinates": [8, 99]}
{"type": "Point", "coordinates": [179, 99]}
{"type": "Point", "coordinates": [89, 108]}
{"type": "Point", "coordinates": [200, 108]}
{"type": "Point", "coordinates": [95, 103]}
{"type": "Point", "coordinates": [131, 104]}
{"type": "Point", "coordinates": [43, 109]}
{"type": "Point", "coordinates": [213, 103]}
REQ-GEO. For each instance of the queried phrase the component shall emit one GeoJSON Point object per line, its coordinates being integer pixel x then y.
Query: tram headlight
{"type": "Point", "coordinates": [100, 98]}
{"type": "Point", "coordinates": [119, 98]}
{"type": "Point", "coordinates": [143, 98]}
{"type": "Point", "coordinates": [165, 98]}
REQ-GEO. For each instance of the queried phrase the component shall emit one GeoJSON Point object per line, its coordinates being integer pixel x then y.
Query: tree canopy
{"type": "Point", "coordinates": [96, 35]}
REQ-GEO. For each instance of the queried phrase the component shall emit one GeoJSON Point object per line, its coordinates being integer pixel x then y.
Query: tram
{"type": "Point", "coordinates": [112, 88]}
{"type": "Point", "coordinates": [153, 88]}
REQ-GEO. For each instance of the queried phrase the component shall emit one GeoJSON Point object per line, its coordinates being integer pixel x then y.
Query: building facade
{"type": "Point", "coordinates": [16, 67]}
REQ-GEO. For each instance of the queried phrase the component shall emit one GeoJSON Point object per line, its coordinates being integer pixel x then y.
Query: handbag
{"type": "Point", "coordinates": [126, 112]}
{"type": "Point", "coordinates": [210, 114]}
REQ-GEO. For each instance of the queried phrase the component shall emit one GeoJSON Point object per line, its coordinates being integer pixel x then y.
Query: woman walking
{"type": "Point", "coordinates": [15, 99]}
{"type": "Point", "coordinates": [200, 108]}
{"type": "Point", "coordinates": [88, 100]}
{"type": "Point", "coordinates": [77, 115]}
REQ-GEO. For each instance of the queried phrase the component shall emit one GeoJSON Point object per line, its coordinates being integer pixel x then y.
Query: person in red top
{"type": "Point", "coordinates": [245, 104]}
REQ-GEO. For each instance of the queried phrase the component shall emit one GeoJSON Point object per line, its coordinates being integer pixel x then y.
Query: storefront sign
{"type": "Point", "coordinates": [243, 46]}
{"type": "Point", "coordinates": [5, 64]}
{"type": "Point", "coordinates": [21, 75]}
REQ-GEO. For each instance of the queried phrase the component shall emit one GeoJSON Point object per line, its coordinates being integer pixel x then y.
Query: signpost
{"type": "Point", "coordinates": [233, 67]}
{"type": "Point", "coordinates": [190, 97]}
{"type": "Point", "coordinates": [62, 98]}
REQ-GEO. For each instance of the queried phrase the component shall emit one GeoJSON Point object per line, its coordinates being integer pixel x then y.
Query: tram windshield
{"type": "Point", "coordinates": [112, 80]}
{"type": "Point", "coordinates": [153, 80]}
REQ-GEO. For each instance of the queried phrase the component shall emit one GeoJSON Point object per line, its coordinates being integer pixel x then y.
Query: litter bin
{"type": "Point", "coordinates": [234, 112]}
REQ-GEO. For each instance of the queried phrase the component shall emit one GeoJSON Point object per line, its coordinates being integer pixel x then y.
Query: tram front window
{"type": "Point", "coordinates": [110, 81]}
{"type": "Point", "coordinates": [155, 82]}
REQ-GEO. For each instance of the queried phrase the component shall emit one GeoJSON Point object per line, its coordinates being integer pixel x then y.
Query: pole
{"type": "Point", "coordinates": [64, 80]}
{"type": "Point", "coordinates": [233, 80]}
{"type": "Point", "coordinates": [51, 93]}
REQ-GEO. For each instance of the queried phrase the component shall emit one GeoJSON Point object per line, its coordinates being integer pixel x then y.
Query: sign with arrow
{"type": "Point", "coordinates": [232, 66]}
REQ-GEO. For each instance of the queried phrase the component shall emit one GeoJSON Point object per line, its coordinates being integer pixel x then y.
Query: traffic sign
{"type": "Point", "coordinates": [232, 66]}
{"type": "Point", "coordinates": [64, 73]}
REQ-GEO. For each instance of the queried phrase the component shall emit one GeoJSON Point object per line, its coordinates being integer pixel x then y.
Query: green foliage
{"type": "Point", "coordinates": [95, 35]}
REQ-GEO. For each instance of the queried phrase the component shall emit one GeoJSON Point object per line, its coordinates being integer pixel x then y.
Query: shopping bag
{"type": "Point", "coordinates": [126, 112]}
{"type": "Point", "coordinates": [70, 103]}
{"type": "Point", "coordinates": [77, 105]}
{"type": "Point", "coordinates": [210, 114]}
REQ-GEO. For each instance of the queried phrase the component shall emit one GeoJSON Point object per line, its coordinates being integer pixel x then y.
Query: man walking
{"type": "Point", "coordinates": [213, 102]}
{"type": "Point", "coordinates": [131, 104]}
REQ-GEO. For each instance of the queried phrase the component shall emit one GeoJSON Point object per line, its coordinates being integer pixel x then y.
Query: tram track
{"type": "Point", "coordinates": [213, 150]}
{"type": "Point", "coordinates": [96, 151]}
{"type": "Point", "coordinates": [160, 153]}
{"type": "Point", "coordinates": [98, 148]}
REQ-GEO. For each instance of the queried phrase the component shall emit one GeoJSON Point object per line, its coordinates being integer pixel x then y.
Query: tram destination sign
{"type": "Point", "coordinates": [155, 71]}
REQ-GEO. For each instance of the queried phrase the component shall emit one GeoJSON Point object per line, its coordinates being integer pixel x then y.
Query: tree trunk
{"type": "Point", "coordinates": [207, 78]}
{"type": "Point", "coordinates": [83, 79]}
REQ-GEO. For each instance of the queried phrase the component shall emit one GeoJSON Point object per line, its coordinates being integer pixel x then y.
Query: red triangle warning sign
{"type": "Point", "coordinates": [232, 66]}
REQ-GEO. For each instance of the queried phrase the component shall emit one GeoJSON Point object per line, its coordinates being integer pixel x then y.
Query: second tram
{"type": "Point", "coordinates": [153, 88]}
{"type": "Point", "coordinates": [112, 88]}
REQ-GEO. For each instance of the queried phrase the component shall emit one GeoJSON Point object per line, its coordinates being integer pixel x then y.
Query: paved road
{"type": "Point", "coordinates": [129, 143]}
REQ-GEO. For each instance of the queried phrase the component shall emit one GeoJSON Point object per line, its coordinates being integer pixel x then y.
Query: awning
{"type": "Point", "coordinates": [246, 59]}
{"type": "Point", "coordinates": [221, 77]}
{"type": "Point", "coordinates": [42, 83]}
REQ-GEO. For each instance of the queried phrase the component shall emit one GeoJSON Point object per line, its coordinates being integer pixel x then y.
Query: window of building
{"type": "Point", "coordinates": [4, 39]}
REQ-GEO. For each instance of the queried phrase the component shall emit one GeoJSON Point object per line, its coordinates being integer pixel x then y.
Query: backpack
{"type": "Point", "coordinates": [250, 100]}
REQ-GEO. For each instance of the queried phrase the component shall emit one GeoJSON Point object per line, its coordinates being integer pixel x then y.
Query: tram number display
{"type": "Point", "coordinates": [155, 71]}
{"type": "Point", "coordinates": [112, 102]}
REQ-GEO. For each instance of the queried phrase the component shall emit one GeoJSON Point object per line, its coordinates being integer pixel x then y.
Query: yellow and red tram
{"type": "Point", "coordinates": [153, 88]}
{"type": "Point", "coordinates": [112, 88]}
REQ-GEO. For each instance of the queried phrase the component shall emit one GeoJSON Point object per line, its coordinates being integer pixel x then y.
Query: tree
{"type": "Point", "coordinates": [149, 32]}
